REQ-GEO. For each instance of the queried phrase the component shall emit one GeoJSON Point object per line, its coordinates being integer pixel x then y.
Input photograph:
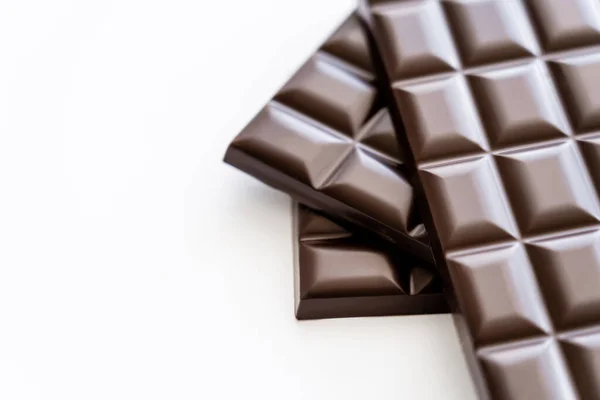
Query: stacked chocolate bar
{"type": "Point", "coordinates": [495, 106]}
{"type": "Point", "coordinates": [327, 139]}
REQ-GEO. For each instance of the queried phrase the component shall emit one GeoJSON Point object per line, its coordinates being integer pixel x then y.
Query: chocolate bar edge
{"type": "Point", "coordinates": [339, 212]}
{"type": "Point", "coordinates": [375, 306]}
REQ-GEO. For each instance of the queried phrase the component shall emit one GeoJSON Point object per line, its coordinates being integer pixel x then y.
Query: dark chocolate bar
{"type": "Point", "coordinates": [500, 104]}
{"type": "Point", "coordinates": [327, 140]}
{"type": "Point", "coordinates": [338, 274]}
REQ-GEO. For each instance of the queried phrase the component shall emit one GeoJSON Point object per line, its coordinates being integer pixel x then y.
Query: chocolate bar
{"type": "Point", "coordinates": [338, 274]}
{"type": "Point", "coordinates": [499, 102]}
{"type": "Point", "coordinates": [327, 140]}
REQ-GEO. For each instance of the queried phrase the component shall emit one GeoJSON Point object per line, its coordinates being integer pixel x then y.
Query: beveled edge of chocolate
{"type": "Point", "coordinates": [380, 306]}
{"type": "Point", "coordinates": [342, 213]}
{"type": "Point", "coordinates": [311, 307]}
{"type": "Point", "coordinates": [414, 241]}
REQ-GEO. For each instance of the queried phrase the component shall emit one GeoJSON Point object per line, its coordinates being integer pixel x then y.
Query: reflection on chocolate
{"type": "Point", "coordinates": [327, 140]}
{"type": "Point", "coordinates": [500, 104]}
{"type": "Point", "coordinates": [341, 275]}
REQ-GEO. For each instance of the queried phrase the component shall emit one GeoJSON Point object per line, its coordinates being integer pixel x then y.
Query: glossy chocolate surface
{"type": "Point", "coordinates": [338, 274]}
{"type": "Point", "coordinates": [327, 140]}
{"type": "Point", "coordinates": [500, 103]}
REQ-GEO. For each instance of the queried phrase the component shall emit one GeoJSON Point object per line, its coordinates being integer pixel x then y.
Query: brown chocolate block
{"type": "Point", "coordinates": [338, 274]}
{"type": "Point", "coordinates": [499, 102]}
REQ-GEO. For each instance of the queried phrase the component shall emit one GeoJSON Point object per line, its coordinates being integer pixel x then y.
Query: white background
{"type": "Point", "coordinates": [134, 264]}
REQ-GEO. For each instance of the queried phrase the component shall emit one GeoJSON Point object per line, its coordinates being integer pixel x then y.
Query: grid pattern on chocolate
{"type": "Point", "coordinates": [329, 130]}
{"type": "Point", "coordinates": [341, 275]}
{"type": "Point", "coordinates": [500, 101]}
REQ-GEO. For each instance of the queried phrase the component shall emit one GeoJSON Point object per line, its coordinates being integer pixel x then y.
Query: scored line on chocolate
{"type": "Point", "coordinates": [352, 143]}
{"type": "Point", "coordinates": [353, 138]}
